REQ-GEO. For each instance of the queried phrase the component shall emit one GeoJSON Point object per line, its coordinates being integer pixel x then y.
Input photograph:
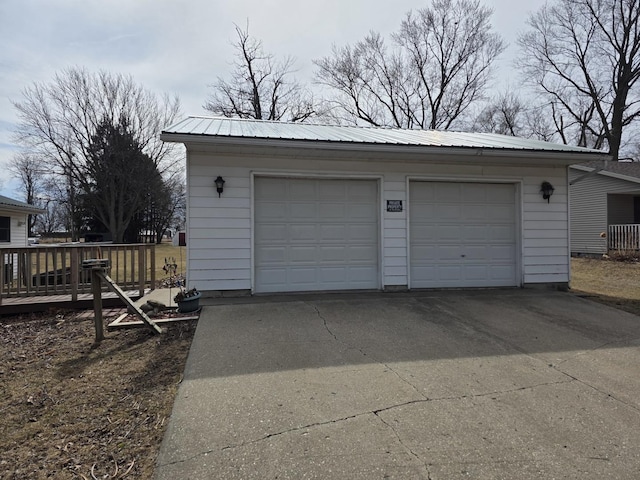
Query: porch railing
{"type": "Point", "coordinates": [624, 237]}
{"type": "Point", "coordinates": [57, 269]}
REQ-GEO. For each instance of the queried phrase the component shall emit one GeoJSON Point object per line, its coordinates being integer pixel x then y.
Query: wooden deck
{"type": "Point", "coordinates": [42, 303]}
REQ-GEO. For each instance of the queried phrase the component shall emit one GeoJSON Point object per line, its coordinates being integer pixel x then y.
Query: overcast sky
{"type": "Point", "coordinates": [180, 47]}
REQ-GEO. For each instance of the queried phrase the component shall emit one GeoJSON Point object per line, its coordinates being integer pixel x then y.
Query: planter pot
{"type": "Point", "coordinates": [189, 304]}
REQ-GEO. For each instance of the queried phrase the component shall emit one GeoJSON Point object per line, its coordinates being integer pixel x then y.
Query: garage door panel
{"type": "Point", "coordinates": [449, 253]}
{"type": "Point", "coordinates": [501, 273]}
{"type": "Point", "coordinates": [446, 213]}
{"type": "Point", "coordinates": [447, 233]}
{"type": "Point", "coordinates": [333, 275]}
{"type": "Point", "coordinates": [361, 253]}
{"type": "Point", "coordinates": [300, 190]}
{"type": "Point", "coordinates": [497, 213]}
{"type": "Point", "coordinates": [332, 211]}
{"type": "Point", "coordinates": [272, 276]}
{"type": "Point", "coordinates": [302, 275]}
{"type": "Point", "coordinates": [332, 253]}
{"type": "Point", "coordinates": [269, 231]}
{"type": "Point", "coordinates": [362, 211]}
{"type": "Point", "coordinates": [362, 190]}
{"type": "Point", "coordinates": [362, 232]}
{"type": "Point", "coordinates": [302, 211]}
{"type": "Point", "coordinates": [446, 193]}
{"type": "Point", "coordinates": [271, 210]}
{"type": "Point", "coordinates": [465, 238]}
{"type": "Point", "coordinates": [324, 238]}
{"type": "Point", "coordinates": [332, 232]}
{"type": "Point", "coordinates": [476, 272]}
{"type": "Point", "coordinates": [271, 189]}
{"type": "Point", "coordinates": [274, 254]}
{"type": "Point", "coordinates": [474, 233]}
{"type": "Point", "coordinates": [303, 232]}
{"type": "Point", "coordinates": [474, 193]}
{"type": "Point", "coordinates": [475, 212]}
{"type": "Point", "coordinates": [332, 190]}
{"type": "Point", "coordinates": [501, 234]}
{"type": "Point", "coordinates": [360, 275]}
{"type": "Point", "coordinates": [501, 194]}
{"type": "Point", "coordinates": [300, 253]}
{"type": "Point", "coordinates": [502, 254]}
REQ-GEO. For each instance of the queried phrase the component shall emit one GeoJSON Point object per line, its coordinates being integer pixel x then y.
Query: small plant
{"type": "Point", "coordinates": [185, 294]}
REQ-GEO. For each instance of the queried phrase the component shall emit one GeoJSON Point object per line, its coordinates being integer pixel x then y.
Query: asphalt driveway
{"type": "Point", "coordinates": [507, 384]}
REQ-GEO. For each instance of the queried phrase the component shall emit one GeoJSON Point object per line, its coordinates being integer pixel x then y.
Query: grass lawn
{"type": "Point", "coordinates": [610, 282]}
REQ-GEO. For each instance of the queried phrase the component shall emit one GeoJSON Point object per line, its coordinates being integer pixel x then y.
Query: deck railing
{"type": "Point", "coordinates": [57, 269]}
{"type": "Point", "coordinates": [624, 237]}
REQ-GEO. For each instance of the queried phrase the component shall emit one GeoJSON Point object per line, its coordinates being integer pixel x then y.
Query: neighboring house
{"type": "Point", "coordinates": [605, 206]}
{"type": "Point", "coordinates": [326, 208]}
{"type": "Point", "coordinates": [14, 217]}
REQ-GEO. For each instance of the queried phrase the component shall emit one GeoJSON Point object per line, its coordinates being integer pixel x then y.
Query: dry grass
{"type": "Point", "coordinates": [610, 282]}
{"type": "Point", "coordinates": [168, 251]}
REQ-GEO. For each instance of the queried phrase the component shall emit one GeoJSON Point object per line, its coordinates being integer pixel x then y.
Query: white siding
{"type": "Point", "coordinates": [220, 229]}
{"type": "Point", "coordinates": [394, 233]}
{"type": "Point", "coordinates": [18, 227]}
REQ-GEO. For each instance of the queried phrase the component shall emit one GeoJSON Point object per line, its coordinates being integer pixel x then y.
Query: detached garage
{"type": "Point", "coordinates": [276, 207]}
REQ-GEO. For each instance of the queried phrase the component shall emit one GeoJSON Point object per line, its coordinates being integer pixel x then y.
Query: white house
{"type": "Point", "coordinates": [326, 208]}
{"type": "Point", "coordinates": [13, 221]}
{"type": "Point", "coordinates": [14, 217]}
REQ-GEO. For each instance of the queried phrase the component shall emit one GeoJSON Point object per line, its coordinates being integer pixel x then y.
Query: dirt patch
{"type": "Point", "coordinates": [71, 409]}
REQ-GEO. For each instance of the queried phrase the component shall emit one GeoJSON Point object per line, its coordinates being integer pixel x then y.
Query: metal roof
{"type": "Point", "coordinates": [196, 126]}
{"type": "Point", "coordinates": [11, 204]}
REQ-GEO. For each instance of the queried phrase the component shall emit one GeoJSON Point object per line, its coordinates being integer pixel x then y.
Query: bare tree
{"type": "Point", "coordinates": [260, 86]}
{"type": "Point", "coordinates": [504, 114]}
{"type": "Point", "coordinates": [583, 56]}
{"type": "Point", "coordinates": [438, 65]}
{"type": "Point", "coordinates": [507, 113]}
{"type": "Point", "coordinates": [28, 170]}
{"type": "Point", "coordinates": [59, 122]}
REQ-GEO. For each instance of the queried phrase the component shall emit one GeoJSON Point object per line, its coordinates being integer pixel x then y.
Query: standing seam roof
{"type": "Point", "coordinates": [261, 129]}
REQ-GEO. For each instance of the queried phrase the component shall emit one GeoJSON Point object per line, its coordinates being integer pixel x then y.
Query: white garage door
{"type": "Point", "coordinates": [462, 235]}
{"type": "Point", "coordinates": [315, 234]}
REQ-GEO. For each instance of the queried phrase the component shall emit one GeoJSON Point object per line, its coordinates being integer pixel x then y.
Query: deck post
{"type": "Point", "coordinates": [152, 267]}
{"type": "Point", "coordinates": [142, 271]}
{"type": "Point", "coordinates": [75, 277]}
{"type": "Point", "coordinates": [96, 287]}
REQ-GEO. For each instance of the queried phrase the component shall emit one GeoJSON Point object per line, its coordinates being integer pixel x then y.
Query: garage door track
{"type": "Point", "coordinates": [439, 385]}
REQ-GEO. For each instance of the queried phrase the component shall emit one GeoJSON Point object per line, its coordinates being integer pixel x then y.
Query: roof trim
{"type": "Point", "coordinates": [567, 157]}
{"type": "Point", "coordinates": [15, 206]}
{"type": "Point", "coordinates": [607, 173]}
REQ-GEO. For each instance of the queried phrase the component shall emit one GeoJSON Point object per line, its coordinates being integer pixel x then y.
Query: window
{"type": "Point", "coordinates": [5, 229]}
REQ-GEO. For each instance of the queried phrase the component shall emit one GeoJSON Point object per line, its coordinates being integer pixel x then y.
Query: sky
{"type": "Point", "coordinates": [181, 47]}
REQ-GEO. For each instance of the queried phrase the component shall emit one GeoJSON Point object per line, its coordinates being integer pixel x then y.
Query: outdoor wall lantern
{"type": "Point", "coordinates": [219, 185]}
{"type": "Point", "coordinates": [547, 190]}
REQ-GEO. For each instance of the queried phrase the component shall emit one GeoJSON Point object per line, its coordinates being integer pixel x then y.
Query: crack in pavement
{"type": "Point", "coordinates": [324, 321]}
{"type": "Point", "coordinates": [364, 354]}
{"type": "Point", "coordinates": [593, 387]}
{"type": "Point", "coordinates": [375, 413]}
{"type": "Point", "coordinates": [404, 445]}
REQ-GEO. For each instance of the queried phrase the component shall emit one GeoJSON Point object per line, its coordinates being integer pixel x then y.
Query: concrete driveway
{"type": "Point", "coordinates": [506, 384]}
